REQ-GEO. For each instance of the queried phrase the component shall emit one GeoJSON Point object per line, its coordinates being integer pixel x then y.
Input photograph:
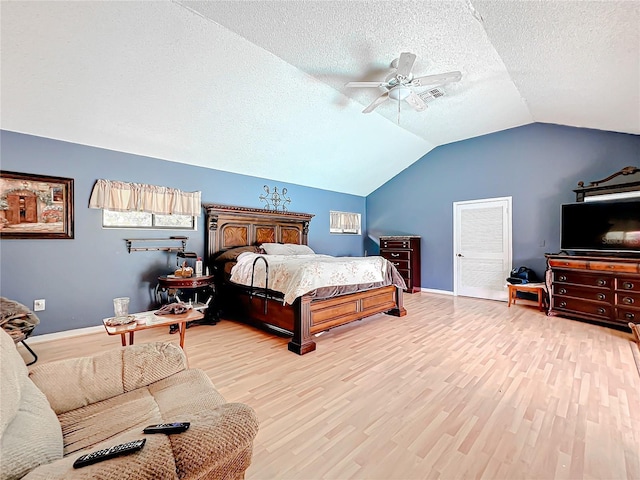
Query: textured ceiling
{"type": "Point", "coordinates": [257, 87]}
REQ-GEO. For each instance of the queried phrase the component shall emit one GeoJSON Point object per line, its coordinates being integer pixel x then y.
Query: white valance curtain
{"type": "Point", "coordinates": [139, 197]}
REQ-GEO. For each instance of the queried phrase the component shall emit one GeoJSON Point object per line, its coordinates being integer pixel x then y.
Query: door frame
{"type": "Point", "coordinates": [508, 231]}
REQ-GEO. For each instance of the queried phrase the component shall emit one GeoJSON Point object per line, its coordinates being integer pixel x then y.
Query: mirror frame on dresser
{"type": "Point", "coordinates": [595, 288]}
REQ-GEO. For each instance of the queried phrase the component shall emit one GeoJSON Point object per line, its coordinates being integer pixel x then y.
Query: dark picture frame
{"type": "Point", "coordinates": [35, 206]}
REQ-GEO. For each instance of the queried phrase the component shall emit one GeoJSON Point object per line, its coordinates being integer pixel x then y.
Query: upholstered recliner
{"type": "Point", "coordinates": [61, 410]}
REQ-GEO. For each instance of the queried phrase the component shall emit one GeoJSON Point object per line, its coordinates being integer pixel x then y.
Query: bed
{"type": "Point", "coordinates": [230, 228]}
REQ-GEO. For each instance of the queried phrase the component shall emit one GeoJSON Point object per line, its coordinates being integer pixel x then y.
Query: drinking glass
{"type": "Point", "coordinates": [121, 306]}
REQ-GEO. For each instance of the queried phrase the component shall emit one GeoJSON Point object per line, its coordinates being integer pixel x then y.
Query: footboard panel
{"type": "Point", "coordinates": [336, 311]}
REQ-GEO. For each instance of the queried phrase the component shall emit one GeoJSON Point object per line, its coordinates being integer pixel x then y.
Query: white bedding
{"type": "Point", "coordinates": [295, 275]}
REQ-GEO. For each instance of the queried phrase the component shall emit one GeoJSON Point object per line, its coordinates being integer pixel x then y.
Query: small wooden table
{"type": "Point", "coordinates": [152, 322]}
{"type": "Point", "coordinates": [537, 288]}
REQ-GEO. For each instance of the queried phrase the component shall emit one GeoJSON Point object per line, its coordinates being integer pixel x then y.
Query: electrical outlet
{"type": "Point", "coordinates": [38, 305]}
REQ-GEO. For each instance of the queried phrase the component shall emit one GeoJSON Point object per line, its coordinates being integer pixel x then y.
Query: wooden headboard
{"type": "Point", "coordinates": [228, 226]}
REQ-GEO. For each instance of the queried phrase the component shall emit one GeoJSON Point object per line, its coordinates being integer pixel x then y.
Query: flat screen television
{"type": "Point", "coordinates": [601, 226]}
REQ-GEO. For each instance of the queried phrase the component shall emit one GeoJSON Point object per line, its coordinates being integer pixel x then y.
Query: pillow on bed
{"type": "Point", "coordinates": [231, 255]}
{"type": "Point", "coordinates": [286, 249]}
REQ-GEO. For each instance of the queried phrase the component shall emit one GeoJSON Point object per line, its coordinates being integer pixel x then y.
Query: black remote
{"type": "Point", "coordinates": [177, 427]}
{"type": "Point", "coordinates": [106, 453]}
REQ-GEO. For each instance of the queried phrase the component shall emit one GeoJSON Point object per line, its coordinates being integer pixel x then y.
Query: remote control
{"type": "Point", "coordinates": [177, 427]}
{"type": "Point", "coordinates": [106, 453]}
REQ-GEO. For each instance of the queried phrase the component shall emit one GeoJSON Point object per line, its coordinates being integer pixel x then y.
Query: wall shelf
{"type": "Point", "coordinates": [158, 248]}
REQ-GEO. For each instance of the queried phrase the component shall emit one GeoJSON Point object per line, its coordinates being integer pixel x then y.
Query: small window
{"type": "Point", "coordinates": [345, 222]}
{"type": "Point", "coordinates": [112, 219]}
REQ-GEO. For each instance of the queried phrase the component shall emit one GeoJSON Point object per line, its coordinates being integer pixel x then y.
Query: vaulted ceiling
{"type": "Point", "coordinates": [257, 87]}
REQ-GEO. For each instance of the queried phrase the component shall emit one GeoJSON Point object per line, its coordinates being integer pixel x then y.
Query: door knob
{"type": "Point", "coordinates": [460, 255]}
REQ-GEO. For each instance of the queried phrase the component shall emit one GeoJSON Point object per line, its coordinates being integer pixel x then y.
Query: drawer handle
{"type": "Point", "coordinates": [627, 300]}
{"type": "Point", "coordinates": [601, 282]}
{"type": "Point", "coordinates": [627, 285]}
{"type": "Point", "coordinates": [629, 316]}
{"type": "Point", "coordinates": [601, 311]}
{"type": "Point", "coordinates": [562, 278]}
{"type": "Point", "coordinates": [395, 254]}
{"type": "Point", "coordinates": [396, 264]}
{"type": "Point", "coordinates": [562, 291]}
{"type": "Point", "coordinates": [563, 304]}
{"type": "Point", "coordinates": [601, 296]}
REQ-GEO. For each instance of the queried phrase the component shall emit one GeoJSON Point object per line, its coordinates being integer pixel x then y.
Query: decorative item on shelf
{"type": "Point", "coordinates": [274, 200]}
{"type": "Point", "coordinates": [184, 271]}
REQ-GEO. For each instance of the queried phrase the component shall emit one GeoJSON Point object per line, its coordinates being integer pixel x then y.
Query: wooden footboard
{"type": "Point", "coordinates": [308, 316]}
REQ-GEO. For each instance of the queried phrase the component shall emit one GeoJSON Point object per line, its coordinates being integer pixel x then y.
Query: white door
{"type": "Point", "coordinates": [482, 247]}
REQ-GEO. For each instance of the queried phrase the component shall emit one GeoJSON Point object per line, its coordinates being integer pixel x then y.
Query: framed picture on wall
{"type": "Point", "coordinates": [35, 206]}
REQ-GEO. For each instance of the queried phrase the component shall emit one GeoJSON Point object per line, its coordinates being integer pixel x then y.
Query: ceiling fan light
{"type": "Point", "coordinates": [399, 93]}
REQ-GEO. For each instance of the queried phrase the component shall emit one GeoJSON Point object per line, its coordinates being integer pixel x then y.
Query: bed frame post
{"type": "Point", "coordinates": [399, 311]}
{"type": "Point", "coordinates": [302, 341]}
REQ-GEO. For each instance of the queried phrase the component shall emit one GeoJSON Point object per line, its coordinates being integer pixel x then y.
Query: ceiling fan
{"type": "Point", "coordinates": [399, 85]}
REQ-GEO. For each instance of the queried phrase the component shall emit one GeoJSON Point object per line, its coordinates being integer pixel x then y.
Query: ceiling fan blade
{"type": "Point", "coordinates": [439, 79]}
{"type": "Point", "coordinates": [381, 99]}
{"type": "Point", "coordinates": [405, 64]}
{"type": "Point", "coordinates": [366, 84]}
{"type": "Point", "coordinates": [416, 102]}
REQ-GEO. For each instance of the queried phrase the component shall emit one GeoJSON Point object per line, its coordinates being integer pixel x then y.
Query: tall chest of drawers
{"type": "Point", "coordinates": [605, 290]}
{"type": "Point", "coordinates": [404, 252]}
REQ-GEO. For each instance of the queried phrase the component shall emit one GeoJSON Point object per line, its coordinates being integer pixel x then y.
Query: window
{"type": "Point", "coordinates": [138, 205]}
{"type": "Point", "coordinates": [345, 222]}
{"type": "Point", "coordinates": [113, 219]}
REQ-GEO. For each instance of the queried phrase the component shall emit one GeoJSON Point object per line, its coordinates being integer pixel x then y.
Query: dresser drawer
{"type": "Point", "coordinates": [577, 305]}
{"type": "Point", "coordinates": [628, 299]}
{"type": "Point", "coordinates": [559, 263]}
{"type": "Point", "coordinates": [396, 254]}
{"type": "Point", "coordinates": [614, 267]}
{"type": "Point", "coordinates": [587, 279]}
{"type": "Point", "coordinates": [627, 315]}
{"type": "Point", "coordinates": [587, 293]}
{"type": "Point", "coordinates": [401, 264]}
{"type": "Point", "coordinates": [395, 244]}
{"type": "Point", "coordinates": [628, 284]}
{"type": "Point", "coordinates": [406, 276]}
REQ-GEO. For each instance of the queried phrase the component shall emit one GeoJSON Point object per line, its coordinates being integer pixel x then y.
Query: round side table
{"type": "Point", "coordinates": [170, 286]}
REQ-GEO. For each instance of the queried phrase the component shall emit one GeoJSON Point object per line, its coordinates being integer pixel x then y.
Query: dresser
{"type": "Point", "coordinates": [601, 289]}
{"type": "Point", "coordinates": [404, 252]}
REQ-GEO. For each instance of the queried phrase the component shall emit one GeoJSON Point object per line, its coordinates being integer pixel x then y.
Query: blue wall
{"type": "Point", "coordinates": [537, 165]}
{"type": "Point", "coordinates": [79, 278]}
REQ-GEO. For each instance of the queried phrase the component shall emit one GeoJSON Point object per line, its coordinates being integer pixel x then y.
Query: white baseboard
{"type": "Point", "coordinates": [64, 334]}
{"type": "Point", "coordinates": [433, 290]}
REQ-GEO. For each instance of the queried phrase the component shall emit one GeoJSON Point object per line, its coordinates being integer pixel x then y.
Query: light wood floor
{"type": "Point", "coordinates": [459, 388]}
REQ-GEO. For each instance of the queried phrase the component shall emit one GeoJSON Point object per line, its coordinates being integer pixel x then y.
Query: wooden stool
{"type": "Point", "coordinates": [537, 288]}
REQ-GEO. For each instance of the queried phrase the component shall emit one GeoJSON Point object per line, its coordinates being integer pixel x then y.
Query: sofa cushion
{"type": "Point", "coordinates": [168, 400]}
{"type": "Point", "coordinates": [30, 433]}
{"type": "Point", "coordinates": [106, 375]}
